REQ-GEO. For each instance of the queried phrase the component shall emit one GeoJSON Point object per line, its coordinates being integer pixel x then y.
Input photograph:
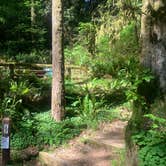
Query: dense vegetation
{"type": "Point", "coordinates": [103, 37]}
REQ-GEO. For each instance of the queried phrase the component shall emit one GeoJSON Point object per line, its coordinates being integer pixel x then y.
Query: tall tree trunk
{"type": "Point", "coordinates": [57, 103]}
{"type": "Point", "coordinates": [33, 15]}
{"type": "Point", "coordinates": [153, 34]}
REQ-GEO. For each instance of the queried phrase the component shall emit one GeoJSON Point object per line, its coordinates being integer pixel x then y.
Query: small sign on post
{"type": "Point", "coordinates": [5, 141]}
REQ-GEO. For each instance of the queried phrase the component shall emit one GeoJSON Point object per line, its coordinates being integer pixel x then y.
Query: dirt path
{"type": "Point", "coordinates": [91, 148]}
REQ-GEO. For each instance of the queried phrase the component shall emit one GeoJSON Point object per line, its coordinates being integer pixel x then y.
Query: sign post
{"type": "Point", "coordinates": [5, 143]}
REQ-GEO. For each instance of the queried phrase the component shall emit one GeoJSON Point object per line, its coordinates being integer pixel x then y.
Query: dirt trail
{"type": "Point", "coordinates": [91, 148]}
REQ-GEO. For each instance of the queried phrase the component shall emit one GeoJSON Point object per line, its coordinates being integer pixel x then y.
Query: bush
{"type": "Point", "coordinates": [152, 143]}
{"type": "Point", "coordinates": [100, 68]}
{"type": "Point", "coordinates": [36, 56]}
{"type": "Point", "coordinates": [78, 55]}
{"type": "Point", "coordinates": [111, 58]}
{"type": "Point", "coordinates": [11, 102]}
{"type": "Point", "coordinates": [42, 130]}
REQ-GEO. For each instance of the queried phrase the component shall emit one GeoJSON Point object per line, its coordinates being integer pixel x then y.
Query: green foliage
{"type": "Point", "coordinates": [108, 45]}
{"type": "Point", "coordinates": [78, 55]}
{"type": "Point", "coordinates": [128, 42]}
{"type": "Point", "coordinates": [122, 55]}
{"type": "Point", "coordinates": [137, 78]}
{"type": "Point", "coordinates": [103, 48]}
{"type": "Point", "coordinates": [100, 68]}
{"type": "Point", "coordinates": [87, 35]}
{"type": "Point", "coordinates": [34, 57]}
{"type": "Point", "coordinates": [83, 50]}
{"type": "Point", "coordinates": [39, 88]}
{"type": "Point", "coordinates": [126, 76]}
{"type": "Point", "coordinates": [93, 111]}
{"type": "Point", "coordinates": [74, 93]}
{"type": "Point", "coordinates": [74, 13]}
{"type": "Point", "coordinates": [158, 123]}
{"type": "Point", "coordinates": [153, 155]}
{"type": "Point", "coordinates": [152, 143]}
{"type": "Point", "coordinates": [89, 108]}
{"type": "Point", "coordinates": [22, 139]}
{"type": "Point", "coordinates": [42, 130]}
{"type": "Point", "coordinates": [12, 100]}
{"type": "Point", "coordinates": [51, 133]}
{"type": "Point", "coordinates": [19, 89]}
{"type": "Point", "coordinates": [18, 33]}
{"type": "Point", "coordinates": [112, 16]}
{"type": "Point", "coordinates": [21, 94]}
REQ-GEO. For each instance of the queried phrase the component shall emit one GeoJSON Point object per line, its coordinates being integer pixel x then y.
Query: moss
{"type": "Point", "coordinates": [135, 124]}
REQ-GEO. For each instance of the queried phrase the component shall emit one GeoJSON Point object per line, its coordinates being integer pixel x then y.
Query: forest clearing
{"type": "Point", "coordinates": [83, 83]}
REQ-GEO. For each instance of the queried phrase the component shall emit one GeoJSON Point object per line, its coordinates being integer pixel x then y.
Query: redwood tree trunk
{"type": "Point", "coordinates": [153, 34]}
{"type": "Point", "coordinates": [57, 103]}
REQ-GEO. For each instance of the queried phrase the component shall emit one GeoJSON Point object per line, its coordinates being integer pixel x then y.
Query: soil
{"type": "Point", "coordinates": [91, 148]}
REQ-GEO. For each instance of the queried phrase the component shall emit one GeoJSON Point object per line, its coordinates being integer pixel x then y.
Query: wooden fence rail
{"type": "Point", "coordinates": [71, 71]}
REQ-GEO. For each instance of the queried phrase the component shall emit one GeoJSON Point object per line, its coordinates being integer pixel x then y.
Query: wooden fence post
{"type": "Point", "coordinates": [68, 74]}
{"type": "Point", "coordinates": [5, 144]}
{"type": "Point", "coordinates": [11, 68]}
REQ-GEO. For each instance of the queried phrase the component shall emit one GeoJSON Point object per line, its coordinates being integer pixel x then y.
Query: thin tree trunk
{"type": "Point", "coordinates": [57, 103]}
{"type": "Point", "coordinates": [33, 15]}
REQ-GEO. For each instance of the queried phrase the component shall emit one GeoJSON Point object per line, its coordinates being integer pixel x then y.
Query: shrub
{"type": "Point", "coordinates": [11, 103]}
{"type": "Point", "coordinates": [100, 68]}
{"type": "Point", "coordinates": [78, 55]}
{"type": "Point", "coordinates": [35, 56]}
{"type": "Point", "coordinates": [152, 143]}
{"type": "Point", "coordinates": [42, 130]}
{"type": "Point", "coordinates": [111, 58]}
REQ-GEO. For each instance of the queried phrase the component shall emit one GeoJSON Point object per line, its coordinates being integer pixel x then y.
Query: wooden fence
{"type": "Point", "coordinates": [75, 73]}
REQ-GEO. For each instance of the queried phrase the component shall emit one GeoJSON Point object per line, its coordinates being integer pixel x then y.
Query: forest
{"type": "Point", "coordinates": [76, 72]}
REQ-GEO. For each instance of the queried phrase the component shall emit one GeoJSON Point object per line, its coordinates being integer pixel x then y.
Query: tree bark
{"type": "Point", "coordinates": [153, 34]}
{"type": "Point", "coordinates": [57, 103]}
{"type": "Point", "coordinates": [33, 15]}
{"type": "Point", "coordinates": [153, 57]}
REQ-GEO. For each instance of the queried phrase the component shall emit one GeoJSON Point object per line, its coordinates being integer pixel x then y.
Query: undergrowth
{"type": "Point", "coordinates": [116, 78]}
{"type": "Point", "coordinates": [152, 142]}
{"type": "Point", "coordinates": [42, 131]}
